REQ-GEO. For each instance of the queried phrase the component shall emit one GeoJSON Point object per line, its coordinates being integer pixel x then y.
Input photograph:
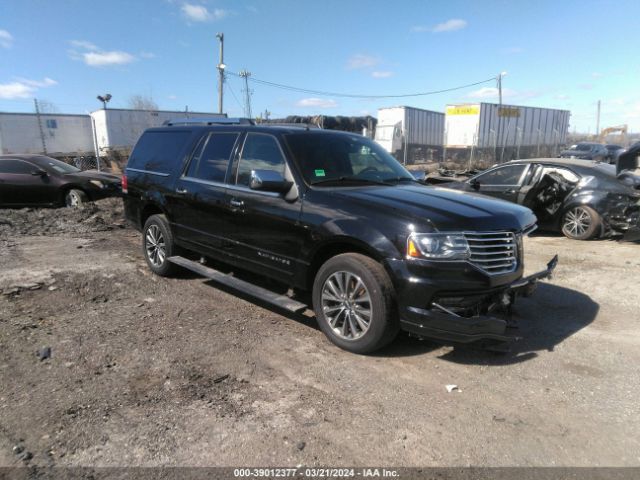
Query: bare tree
{"type": "Point", "coordinates": [142, 102]}
{"type": "Point", "coordinates": [45, 106]}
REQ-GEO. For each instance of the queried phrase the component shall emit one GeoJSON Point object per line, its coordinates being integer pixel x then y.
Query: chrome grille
{"type": "Point", "coordinates": [493, 252]}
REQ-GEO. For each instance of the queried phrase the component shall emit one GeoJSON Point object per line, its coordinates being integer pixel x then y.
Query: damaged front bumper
{"type": "Point", "coordinates": [442, 323]}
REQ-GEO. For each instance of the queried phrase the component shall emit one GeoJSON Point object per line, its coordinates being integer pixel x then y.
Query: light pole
{"type": "Point", "coordinates": [221, 67]}
{"type": "Point", "coordinates": [499, 80]}
{"type": "Point", "coordinates": [104, 99]}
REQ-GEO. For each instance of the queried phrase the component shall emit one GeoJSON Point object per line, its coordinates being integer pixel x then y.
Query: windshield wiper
{"type": "Point", "coordinates": [400, 179]}
{"type": "Point", "coordinates": [351, 178]}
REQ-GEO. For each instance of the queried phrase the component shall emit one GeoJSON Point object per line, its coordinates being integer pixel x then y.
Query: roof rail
{"type": "Point", "coordinates": [208, 121]}
{"type": "Point", "coordinates": [306, 126]}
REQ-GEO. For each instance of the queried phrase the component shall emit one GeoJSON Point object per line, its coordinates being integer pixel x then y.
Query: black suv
{"type": "Point", "coordinates": [333, 214]}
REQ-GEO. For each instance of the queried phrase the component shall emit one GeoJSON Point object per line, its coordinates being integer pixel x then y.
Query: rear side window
{"type": "Point", "coordinates": [508, 175]}
{"type": "Point", "coordinates": [158, 151]}
{"type": "Point", "coordinates": [211, 157]}
{"type": "Point", "coordinates": [260, 152]}
{"type": "Point", "coordinates": [16, 166]}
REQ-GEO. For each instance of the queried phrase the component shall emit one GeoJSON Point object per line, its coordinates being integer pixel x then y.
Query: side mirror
{"type": "Point", "coordinates": [269, 181]}
{"type": "Point", "coordinates": [419, 175]}
{"type": "Point", "coordinates": [39, 172]}
{"type": "Point", "coordinates": [475, 184]}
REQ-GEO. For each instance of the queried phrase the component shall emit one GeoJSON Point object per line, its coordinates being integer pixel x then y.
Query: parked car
{"type": "Point", "coordinates": [36, 180]}
{"type": "Point", "coordinates": [586, 151]}
{"type": "Point", "coordinates": [333, 214]}
{"type": "Point", "coordinates": [614, 152]}
{"type": "Point", "coordinates": [582, 199]}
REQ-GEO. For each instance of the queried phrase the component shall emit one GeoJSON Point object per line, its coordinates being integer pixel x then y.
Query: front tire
{"type": "Point", "coordinates": [354, 302]}
{"type": "Point", "coordinates": [158, 246]}
{"type": "Point", "coordinates": [75, 198]}
{"type": "Point", "coordinates": [581, 223]}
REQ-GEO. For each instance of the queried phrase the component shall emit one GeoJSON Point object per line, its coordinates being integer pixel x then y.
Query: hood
{"type": "Point", "coordinates": [95, 175]}
{"type": "Point", "coordinates": [444, 208]}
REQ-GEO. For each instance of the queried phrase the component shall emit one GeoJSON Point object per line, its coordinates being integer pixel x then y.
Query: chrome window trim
{"type": "Point", "coordinates": [150, 172]}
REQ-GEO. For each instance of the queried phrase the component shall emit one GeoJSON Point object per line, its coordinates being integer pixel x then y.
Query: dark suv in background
{"type": "Point", "coordinates": [333, 214]}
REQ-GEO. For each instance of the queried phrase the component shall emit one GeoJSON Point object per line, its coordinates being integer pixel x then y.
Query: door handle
{"type": "Point", "coordinates": [236, 203]}
{"type": "Point", "coordinates": [181, 190]}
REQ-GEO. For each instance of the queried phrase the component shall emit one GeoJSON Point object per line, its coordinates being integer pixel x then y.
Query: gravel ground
{"type": "Point", "coordinates": [149, 371]}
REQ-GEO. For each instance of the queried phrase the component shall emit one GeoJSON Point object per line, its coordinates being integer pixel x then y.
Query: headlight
{"type": "Point", "coordinates": [97, 183]}
{"type": "Point", "coordinates": [438, 246]}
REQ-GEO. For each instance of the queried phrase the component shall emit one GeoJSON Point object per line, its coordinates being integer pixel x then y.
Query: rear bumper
{"type": "Point", "coordinates": [443, 324]}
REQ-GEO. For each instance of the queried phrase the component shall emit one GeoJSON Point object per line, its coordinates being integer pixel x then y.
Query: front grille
{"type": "Point", "coordinates": [493, 252]}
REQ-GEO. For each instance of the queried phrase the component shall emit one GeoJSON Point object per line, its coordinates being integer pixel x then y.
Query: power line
{"type": "Point", "coordinates": [353, 95]}
{"type": "Point", "coordinates": [234, 95]}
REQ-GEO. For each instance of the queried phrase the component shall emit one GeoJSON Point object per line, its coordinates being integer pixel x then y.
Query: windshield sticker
{"type": "Point", "coordinates": [319, 173]}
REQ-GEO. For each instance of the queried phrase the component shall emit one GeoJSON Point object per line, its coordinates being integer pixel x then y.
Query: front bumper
{"type": "Point", "coordinates": [441, 323]}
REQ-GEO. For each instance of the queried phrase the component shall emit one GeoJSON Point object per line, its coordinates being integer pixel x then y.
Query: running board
{"type": "Point", "coordinates": [263, 294]}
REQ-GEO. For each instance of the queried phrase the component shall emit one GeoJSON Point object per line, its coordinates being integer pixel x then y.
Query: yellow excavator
{"type": "Point", "coordinates": [620, 129]}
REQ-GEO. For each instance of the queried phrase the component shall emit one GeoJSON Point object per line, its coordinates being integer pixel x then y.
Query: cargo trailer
{"type": "Point", "coordinates": [55, 134]}
{"type": "Point", "coordinates": [412, 135]}
{"type": "Point", "coordinates": [487, 133]}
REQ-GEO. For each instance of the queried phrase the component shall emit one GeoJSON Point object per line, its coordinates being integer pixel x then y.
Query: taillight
{"type": "Point", "coordinates": [124, 184]}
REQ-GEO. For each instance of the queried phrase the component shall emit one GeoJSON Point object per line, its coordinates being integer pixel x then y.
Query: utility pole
{"type": "Point", "coordinates": [221, 67]}
{"type": "Point", "coordinates": [598, 121]}
{"type": "Point", "coordinates": [247, 93]}
{"type": "Point", "coordinates": [44, 143]}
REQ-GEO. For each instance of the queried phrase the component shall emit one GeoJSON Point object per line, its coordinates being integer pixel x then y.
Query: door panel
{"type": "Point", "coordinates": [198, 204]}
{"type": "Point", "coordinates": [266, 235]}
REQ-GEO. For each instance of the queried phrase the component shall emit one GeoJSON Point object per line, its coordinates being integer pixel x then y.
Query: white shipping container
{"type": "Point", "coordinates": [489, 125]}
{"type": "Point", "coordinates": [61, 134]}
{"type": "Point", "coordinates": [414, 126]}
{"type": "Point", "coordinates": [118, 129]}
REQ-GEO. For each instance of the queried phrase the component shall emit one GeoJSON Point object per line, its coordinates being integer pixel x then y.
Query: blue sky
{"type": "Point", "coordinates": [559, 54]}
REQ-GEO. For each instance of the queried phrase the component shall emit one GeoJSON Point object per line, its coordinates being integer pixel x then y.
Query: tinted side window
{"type": "Point", "coordinates": [260, 152]}
{"type": "Point", "coordinates": [158, 151]}
{"type": "Point", "coordinates": [15, 166]}
{"type": "Point", "coordinates": [507, 175]}
{"type": "Point", "coordinates": [211, 158]}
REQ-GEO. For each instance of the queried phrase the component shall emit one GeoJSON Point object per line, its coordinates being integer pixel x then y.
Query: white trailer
{"type": "Point", "coordinates": [119, 129]}
{"type": "Point", "coordinates": [56, 134]}
{"type": "Point", "coordinates": [504, 132]}
{"type": "Point", "coordinates": [410, 134]}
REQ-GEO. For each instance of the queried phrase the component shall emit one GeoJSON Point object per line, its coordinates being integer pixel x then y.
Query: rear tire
{"type": "Point", "coordinates": [581, 223]}
{"type": "Point", "coordinates": [75, 198]}
{"type": "Point", "coordinates": [158, 245]}
{"type": "Point", "coordinates": [353, 299]}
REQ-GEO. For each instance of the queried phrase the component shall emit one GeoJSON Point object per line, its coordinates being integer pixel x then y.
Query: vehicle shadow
{"type": "Point", "coordinates": [544, 320]}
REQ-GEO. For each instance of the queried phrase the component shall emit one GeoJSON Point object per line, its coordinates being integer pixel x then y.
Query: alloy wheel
{"type": "Point", "coordinates": [155, 245]}
{"type": "Point", "coordinates": [346, 304]}
{"type": "Point", "coordinates": [577, 221]}
{"type": "Point", "coordinates": [72, 199]}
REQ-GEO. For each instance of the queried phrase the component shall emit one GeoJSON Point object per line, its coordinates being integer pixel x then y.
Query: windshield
{"type": "Point", "coordinates": [339, 158]}
{"type": "Point", "coordinates": [582, 147]}
{"type": "Point", "coordinates": [56, 165]}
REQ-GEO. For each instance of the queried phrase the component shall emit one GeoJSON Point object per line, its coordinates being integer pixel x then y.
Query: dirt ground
{"type": "Point", "coordinates": [149, 371]}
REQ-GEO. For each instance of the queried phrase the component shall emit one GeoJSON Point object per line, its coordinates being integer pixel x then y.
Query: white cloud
{"type": "Point", "coordinates": [107, 59]}
{"type": "Point", "coordinates": [381, 74]}
{"type": "Point", "coordinates": [597, 75]}
{"type": "Point", "coordinates": [200, 13]}
{"type": "Point", "coordinates": [172, 97]}
{"type": "Point", "coordinates": [316, 103]}
{"type": "Point", "coordinates": [6, 39]}
{"type": "Point", "coordinates": [84, 45]}
{"type": "Point", "coordinates": [362, 61]}
{"type": "Point", "coordinates": [490, 92]}
{"type": "Point", "coordinates": [23, 88]}
{"type": "Point", "coordinates": [94, 56]}
{"type": "Point", "coordinates": [450, 25]}
{"type": "Point", "coordinates": [147, 55]}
